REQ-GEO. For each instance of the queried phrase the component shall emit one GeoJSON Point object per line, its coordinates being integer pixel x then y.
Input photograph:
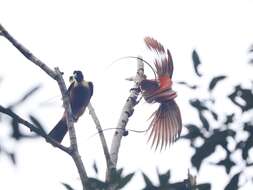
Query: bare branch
{"type": "Point", "coordinates": [33, 128]}
{"type": "Point", "coordinates": [56, 75]}
{"type": "Point", "coordinates": [27, 53]}
{"type": "Point", "coordinates": [109, 163]}
{"type": "Point", "coordinates": [126, 113]}
{"type": "Point", "coordinates": [72, 135]}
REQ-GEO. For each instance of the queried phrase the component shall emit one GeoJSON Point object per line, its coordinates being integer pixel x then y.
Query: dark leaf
{"type": "Point", "coordinates": [119, 172]}
{"type": "Point", "coordinates": [193, 87]}
{"type": "Point", "coordinates": [246, 145]}
{"type": "Point", "coordinates": [164, 178]}
{"type": "Point", "coordinates": [199, 105]}
{"type": "Point", "coordinates": [67, 186]}
{"type": "Point", "coordinates": [217, 138]}
{"type": "Point", "coordinates": [37, 123]}
{"type": "Point", "coordinates": [26, 96]}
{"type": "Point", "coordinates": [12, 157]}
{"type": "Point", "coordinates": [16, 134]}
{"type": "Point", "coordinates": [214, 81]}
{"type": "Point", "coordinates": [248, 127]}
{"type": "Point", "coordinates": [196, 62]}
{"type": "Point", "coordinates": [215, 115]}
{"type": "Point", "coordinates": [229, 119]}
{"type": "Point", "coordinates": [204, 121]}
{"type": "Point", "coordinates": [233, 184]}
{"type": "Point", "coordinates": [227, 163]}
{"type": "Point", "coordinates": [95, 167]}
{"type": "Point", "coordinates": [125, 180]}
{"type": "Point", "coordinates": [97, 184]}
{"type": "Point", "coordinates": [193, 132]}
{"type": "Point", "coordinates": [242, 97]}
{"type": "Point", "coordinates": [204, 186]}
{"type": "Point", "coordinates": [147, 181]}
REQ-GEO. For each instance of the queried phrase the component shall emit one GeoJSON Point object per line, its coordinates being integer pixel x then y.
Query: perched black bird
{"type": "Point", "coordinates": [80, 92]}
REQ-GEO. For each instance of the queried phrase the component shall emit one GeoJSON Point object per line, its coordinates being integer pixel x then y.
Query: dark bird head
{"type": "Point", "coordinates": [78, 75]}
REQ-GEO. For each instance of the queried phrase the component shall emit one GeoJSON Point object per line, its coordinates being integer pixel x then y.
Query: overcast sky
{"type": "Point", "coordinates": [89, 36]}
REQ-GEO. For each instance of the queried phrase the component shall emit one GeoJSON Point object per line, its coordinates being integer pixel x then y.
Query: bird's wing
{"type": "Point", "coordinates": [70, 87]}
{"type": "Point", "coordinates": [164, 65]}
{"type": "Point", "coordinates": [91, 87]}
{"type": "Point", "coordinates": [149, 85]}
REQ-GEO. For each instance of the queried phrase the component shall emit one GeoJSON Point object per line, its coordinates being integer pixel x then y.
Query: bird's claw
{"type": "Point", "coordinates": [74, 117]}
{"type": "Point", "coordinates": [137, 89]}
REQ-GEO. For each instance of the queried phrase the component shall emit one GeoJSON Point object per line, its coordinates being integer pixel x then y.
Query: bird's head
{"type": "Point", "coordinates": [78, 75]}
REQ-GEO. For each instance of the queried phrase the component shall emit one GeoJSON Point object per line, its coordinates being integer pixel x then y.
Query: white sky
{"type": "Point", "coordinates": [90, 35]}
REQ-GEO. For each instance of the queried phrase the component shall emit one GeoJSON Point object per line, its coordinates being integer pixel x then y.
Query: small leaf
{"type": "Point", "coordinates": [193, 132]}
{"type": "Point", "coordinates": [26, 96]}
{"type": "Point", "coordinates": [204, 121]}
{"type": "Point", "coordinates": [196, 62]}
{"type": "Point", "coordinates": [227, 163]}
{"type": "Point", "coordinates": [147, 181]}
{"type": "Point", "coordinates": [193, 87]}
{"type": "Point", "coordinates": [95, 167]}
{"type": "Point", "coordinates": [215, 81]}
{"type": "Point", "coordinates": [199, 105]}
{"type": "Point", "coordinates": [204, 186]}
{"type": "Point", "coordinates": [164, 178]}
{"type": "Point", "coordinates": [229, 119]}
{"type": "Point", "coordinates": [12, 157]}
{"type": "Point", "coordinates": [37, 123]}
{"type": "Point", "coordinates": [16, 134]}
{"type": "Point", "coordinates": [97, 184]}
{"type": "Point", "coordinates": [242, 97]}
{"type": "Point", "coordinates": [125, 180]}
{"type": "Point", "coordinates": [215, 115]}
{"type": "Point", "coordinates": [67, 186]}
{"type": "Point", "coordinates": [233, 184]}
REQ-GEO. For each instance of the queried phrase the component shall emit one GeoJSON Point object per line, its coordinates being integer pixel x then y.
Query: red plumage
{"type": "Point", "coordinates": [166, 123]}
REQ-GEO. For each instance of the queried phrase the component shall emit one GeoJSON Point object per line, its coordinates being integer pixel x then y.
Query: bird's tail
{"type": "Point", "coordinates": [166, 124]}
{"type": "Point", "coordinates": [59, 131]}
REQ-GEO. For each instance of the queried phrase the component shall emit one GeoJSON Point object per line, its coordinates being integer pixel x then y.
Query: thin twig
{"type": "Point", "coordinates": [125, 114]}
{"type": "Point", "coordinates": [109, 163]}
{"type": "Point", "coordinates": [27, 53]}
{"type": "Point", "coordinates": [33, 128]}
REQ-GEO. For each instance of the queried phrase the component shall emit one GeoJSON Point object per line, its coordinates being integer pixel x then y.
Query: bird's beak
{"type": "Point", "coordinates": [74, 75]}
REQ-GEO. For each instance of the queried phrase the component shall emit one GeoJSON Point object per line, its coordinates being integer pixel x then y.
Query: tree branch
{"type": "Point", "coordinates": [37, 130]}
{"type": "Point", "coordinates": [57, 75]}
{"type": "Point", "coordinates": [127, 111]}
{"type": "Point", "coordinates": [72, 135]}
{"type": "Point", "coordinates": [27, 53]}
{"type": "Point", "coordinates": [109, 163]}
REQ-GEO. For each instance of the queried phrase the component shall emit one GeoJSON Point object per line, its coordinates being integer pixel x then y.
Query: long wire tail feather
{"type": "Point", "coordinates": [166, 125]}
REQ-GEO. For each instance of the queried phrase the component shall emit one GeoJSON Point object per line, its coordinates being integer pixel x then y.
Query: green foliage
{"type": "Point", "coordinates": [16, 131]}
{"type": "Point", "coordinates": [227, 134]}
{"type": "Point", "coordinates": [67, 186]}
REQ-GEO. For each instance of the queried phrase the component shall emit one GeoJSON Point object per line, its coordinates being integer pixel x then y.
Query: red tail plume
{"type": "Point", "coordinates": [166, 125]}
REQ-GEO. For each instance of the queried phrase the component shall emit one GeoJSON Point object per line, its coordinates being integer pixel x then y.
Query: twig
{"type": "Point", "coordinates": [56, 75]}
{"type": "Point", "coordinates": [27, 53]}
{"type": "Point", "coordinates": [109, 163]}
{"type": "Point", "coordinates": [37, 130]}
{"type": "Point", "coordinates": [125, 114]}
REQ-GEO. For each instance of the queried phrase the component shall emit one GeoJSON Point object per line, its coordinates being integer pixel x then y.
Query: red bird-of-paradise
{"type": "Point", "coordinates": [166, 123]}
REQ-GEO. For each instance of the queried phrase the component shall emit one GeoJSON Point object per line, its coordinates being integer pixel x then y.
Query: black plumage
{"type": "Point", "coordinates": [80, 93]}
